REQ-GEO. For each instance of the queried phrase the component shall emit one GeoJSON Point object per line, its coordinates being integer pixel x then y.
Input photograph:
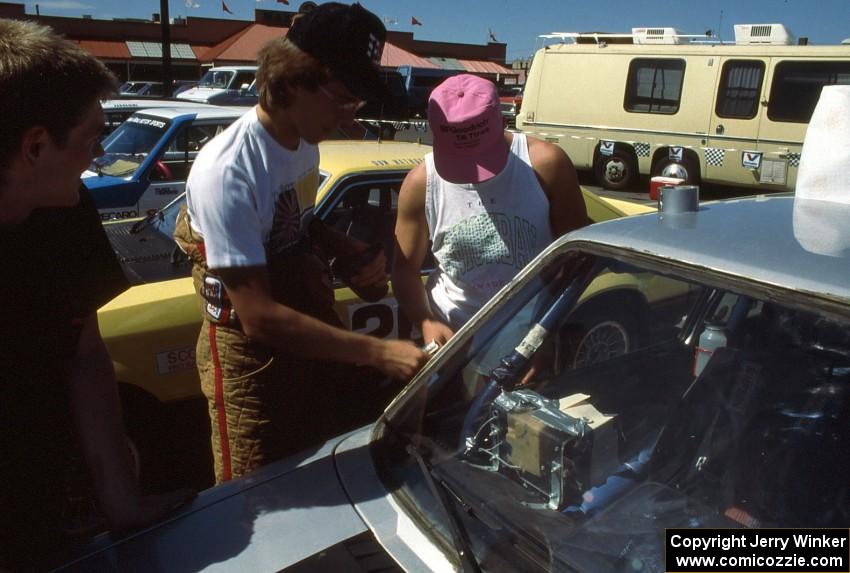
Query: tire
{"type": "Point", "coordinates": [684, 169]}
{"type": "Point", "coordinates": [147, 434]}
{"type": "Point", "coordinates": [600, 332]}
{"type": "Point", "coordinates": [617, 171]}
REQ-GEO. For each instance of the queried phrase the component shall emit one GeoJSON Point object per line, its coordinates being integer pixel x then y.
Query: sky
{"type": "Point", "coordinates": [518, 23]}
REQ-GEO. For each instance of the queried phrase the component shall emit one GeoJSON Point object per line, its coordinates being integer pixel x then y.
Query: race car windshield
{"type": "Point", "coordinates": [126, 148]}
{"type": "Point", "coordinates": [605, 401]}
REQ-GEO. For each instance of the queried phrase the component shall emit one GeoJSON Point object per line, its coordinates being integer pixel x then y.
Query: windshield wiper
{"type": "Point", "coordinates": [139, 226]}
{"type": "Point", "coordinates": [458, 532]}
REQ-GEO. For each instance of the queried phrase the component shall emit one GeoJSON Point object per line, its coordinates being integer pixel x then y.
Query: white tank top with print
{"type": "Point", "coordinates": [482, 234]}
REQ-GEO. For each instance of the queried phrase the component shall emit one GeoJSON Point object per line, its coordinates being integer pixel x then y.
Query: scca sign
{"type": "Point", "coordinates": [176, 360]}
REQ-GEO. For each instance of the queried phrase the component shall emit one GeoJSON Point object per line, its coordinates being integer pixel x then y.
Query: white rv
{"type": "Point", "coordinates": [656, 102]}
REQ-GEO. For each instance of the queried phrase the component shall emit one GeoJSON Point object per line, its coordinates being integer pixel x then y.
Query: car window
{"type": "Point", "coordinates": [243, 79]}
{"type": "Point", "coordinates": [129, 145]}
{"type": "Point", "coordinates": [605, 402]}
{"type": "Point", "coordinates": [215, 79]}
{"type": "Point", "coordinates": [367, 210]}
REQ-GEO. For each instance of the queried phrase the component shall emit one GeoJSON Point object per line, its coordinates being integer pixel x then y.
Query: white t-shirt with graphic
{"type": "Point", "coordinates": [246, 194]}
{"type": "Point", "coordinates": [483, 234]}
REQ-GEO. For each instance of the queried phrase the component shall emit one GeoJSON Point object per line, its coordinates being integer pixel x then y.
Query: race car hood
{"type": "Point", "coordinates": [292, 511]}
{"type": "Point", "coordinates": [145, 254]}
{"type": "Point", "coordinates": [94, 181]}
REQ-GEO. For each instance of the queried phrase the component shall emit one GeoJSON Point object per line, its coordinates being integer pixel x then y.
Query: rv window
{"type": "Point", "coordinates": [796, 88]}
{"type": "Point", "coordinates": [654, 85]}
{"type": "Point", "coordinates": [740, 87]}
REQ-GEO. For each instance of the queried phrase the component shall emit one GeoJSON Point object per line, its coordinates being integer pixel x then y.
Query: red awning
{"type": "Point", "coordinates": [106, 50]}
{"type": "Point", "coordinates": [483, 67]}
{"type": "Point", "coordinates": [394, 57]}
{"type": "Point", "coordinates": [244, 46]}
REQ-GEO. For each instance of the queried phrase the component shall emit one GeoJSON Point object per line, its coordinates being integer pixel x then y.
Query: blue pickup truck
{"type": "Point", "coordinates": [147, 158]}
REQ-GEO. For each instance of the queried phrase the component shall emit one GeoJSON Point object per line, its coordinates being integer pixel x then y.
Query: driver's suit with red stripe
{"type": "Point", "coordinates": [264, 404]}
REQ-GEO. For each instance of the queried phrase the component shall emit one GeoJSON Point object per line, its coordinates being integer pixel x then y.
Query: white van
{"type": "Point", "coordinates": [226, 85]}
{"type": "Point", "coordinates": [656, 102]}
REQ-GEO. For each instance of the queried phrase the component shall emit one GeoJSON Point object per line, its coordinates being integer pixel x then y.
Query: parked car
{"type": "Point", "coordinates": [151, 330]}
{"type": "Point", "coordinates": [140, 89]}
{"type": "Point", "coordinates": [510, 99]}
{"type": "Point", "coordinates": [225, 85]}
{"type": "Point", "coordinates": [183, 85]}
{"type": "Point", "coordinates": [147, 158]}
{"type": "Point", "coordinates": [116, 111]}
{"type": "Point", "coordinates": [504, 455]}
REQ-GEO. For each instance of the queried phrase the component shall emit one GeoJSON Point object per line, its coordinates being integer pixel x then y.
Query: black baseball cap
{"type": "Point", "coordinates": [349, 40]}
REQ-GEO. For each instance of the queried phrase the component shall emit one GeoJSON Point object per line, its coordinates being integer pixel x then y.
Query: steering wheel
{"type": "Point", "coordinates": [163, 170]}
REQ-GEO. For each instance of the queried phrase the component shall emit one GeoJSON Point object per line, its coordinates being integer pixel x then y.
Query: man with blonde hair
{"type": "Point", "coordinates": [272, 352]}
{"type": "Point", "coordinates": [57, 385]}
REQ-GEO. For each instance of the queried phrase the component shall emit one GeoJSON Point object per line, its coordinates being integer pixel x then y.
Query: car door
{"type": "Point", "coordinates": [168, 175]}
{"type": "Point", "coordinates": [364, 207]}
{"type": "Point", "coordinates": [731, 152]}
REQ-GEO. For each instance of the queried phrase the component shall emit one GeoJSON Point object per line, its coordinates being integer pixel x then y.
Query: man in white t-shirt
{"type": "Point", "coordinates": [271, 345]}
{"type": "Point", "coordinates": [487, 200]}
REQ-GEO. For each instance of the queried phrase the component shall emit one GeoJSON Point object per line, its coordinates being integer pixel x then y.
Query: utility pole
{"type": "Point", "coordinates": [165, 23]}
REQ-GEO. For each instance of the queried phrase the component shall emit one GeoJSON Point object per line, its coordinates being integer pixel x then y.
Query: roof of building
{"type": "Point", "coordinates": [395, 56]}
{"type": "Point", "coordinates": [481, 67]}
{"type": "Point", "coordinates": [244, 46]}
{"type": "Point", "coordinates": [106, 50]}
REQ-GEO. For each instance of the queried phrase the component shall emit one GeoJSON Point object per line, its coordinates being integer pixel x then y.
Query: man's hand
{"type": "Point", "coordinates": [373, 273]}
{"type": "Point", "coordinates": [148, 509]}
{"type": "Point", "coordinates": [400, 359]}
{"type": "Point", "coordinates": [434, 330]}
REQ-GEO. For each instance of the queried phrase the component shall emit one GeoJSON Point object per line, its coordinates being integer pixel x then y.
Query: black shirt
{"type": "Point", "coordinates": [57, 268]}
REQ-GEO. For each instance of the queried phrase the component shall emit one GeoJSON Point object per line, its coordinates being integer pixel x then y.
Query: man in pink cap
{"type": "Point", "coordinates": [488, 200]}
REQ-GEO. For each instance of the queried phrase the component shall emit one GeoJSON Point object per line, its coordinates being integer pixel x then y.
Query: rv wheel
{"type": "Point", "coordinates": [682, 169]}
{"type": "Point", "coordinates": [616, 171]}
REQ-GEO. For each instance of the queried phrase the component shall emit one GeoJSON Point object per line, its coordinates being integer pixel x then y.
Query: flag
{"type": "Point", "coordinates": [283, 2]}
{"type": "Point", "coordinates": [388, 20]}
{"type": "Point", "coordinates": [225, 8]}
{"type": "Point", "coordinates": [414, 21]}
{"type": "Point", "coordinates": [492, 35]}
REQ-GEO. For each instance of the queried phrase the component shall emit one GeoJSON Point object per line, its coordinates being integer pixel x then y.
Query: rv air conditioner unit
{"type": "Point", "coordinates": [658, 36]}
{"type": "Point", "coordinates": [776, 34]}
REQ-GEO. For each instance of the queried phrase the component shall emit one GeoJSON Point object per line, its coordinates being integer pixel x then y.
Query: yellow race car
{"type": "Point", "coordinates": [151, 329]}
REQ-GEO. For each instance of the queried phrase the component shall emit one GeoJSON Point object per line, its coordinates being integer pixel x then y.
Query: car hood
{"type": "Point", "coordinates": [94, 181]}
{"type": "Point", "coordinates": [292, 511]}
{"type": "Point", "coordinates": [145, 254]}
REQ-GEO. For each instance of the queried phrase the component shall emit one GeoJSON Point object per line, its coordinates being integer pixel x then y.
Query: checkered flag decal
{"type": "Point", "coordinates": [793, 159]}
{"type": "Point", "coordinates": [714, 156]}
{"type": "Point", "coordinates": [374, 49]}
{"type": "Point", "coordinates": [641, 149]}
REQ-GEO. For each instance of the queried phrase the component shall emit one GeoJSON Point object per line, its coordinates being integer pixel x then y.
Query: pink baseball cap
{"type": "Point", "coordinates": [466, 120]}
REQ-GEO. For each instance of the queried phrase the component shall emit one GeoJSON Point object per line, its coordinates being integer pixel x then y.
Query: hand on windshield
{"type": "Point", "coordinates": [401, 359]}
{"type": "Point", "coordinates": [435, 331]}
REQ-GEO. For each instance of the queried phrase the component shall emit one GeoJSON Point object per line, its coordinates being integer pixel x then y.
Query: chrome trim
{"type": "Point", "coordinates": [699, 135]}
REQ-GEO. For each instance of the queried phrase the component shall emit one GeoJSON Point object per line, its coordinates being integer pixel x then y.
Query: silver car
{"type": "Point", "coordinates": [721, 401]}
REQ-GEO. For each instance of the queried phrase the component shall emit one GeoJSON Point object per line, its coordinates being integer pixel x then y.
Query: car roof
{"type": "Point", "coordinates": [783, 241]}
{"type": "Point", "coordinates": [233, 68]}
{"type": "Point", "coordinates": [144, 103]}
{"type": "Point", "coordinates": [200, 111]}
{"type": "Point", "coordinates": [340, 157]}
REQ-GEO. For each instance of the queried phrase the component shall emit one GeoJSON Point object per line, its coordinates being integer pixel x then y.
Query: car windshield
{"type": "Point", "coordinates": [127, 147]}
{"type": "Point", "coordinates": [216, 79]}
{"type": "Point", "coordinates": [605, 401]}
